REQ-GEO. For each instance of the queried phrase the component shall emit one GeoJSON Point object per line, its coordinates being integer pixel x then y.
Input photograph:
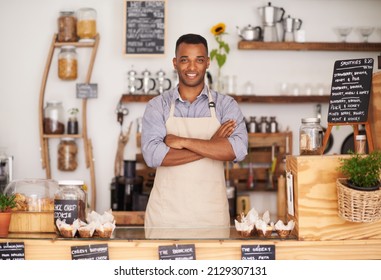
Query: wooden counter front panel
{"type": "Point", "coordinates": [315, 201]}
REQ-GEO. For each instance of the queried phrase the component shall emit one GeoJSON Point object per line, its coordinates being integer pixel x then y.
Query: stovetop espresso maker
{"type": "Point", "coordinates": [270, 17]}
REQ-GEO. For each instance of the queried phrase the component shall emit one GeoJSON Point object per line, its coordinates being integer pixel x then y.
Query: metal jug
{"type": "Point", "coordinates": [132, 81]}
{"type": "Point", "coordinates": [161, 80]}
{"type": "Point", "coordinates": [270, 17]}
{"type": "Point", "coordinates": [289, 26]}
{"type": "Point", "coordinates": [147, 82]}
{"type": "Point", "coordinates": [6, 170]}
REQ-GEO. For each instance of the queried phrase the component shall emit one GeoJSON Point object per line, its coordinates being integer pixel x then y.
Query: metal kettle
{"type": "Point", "coordinates": [289, 26]}
{"type": "Point", "coordinates": [250, 33]}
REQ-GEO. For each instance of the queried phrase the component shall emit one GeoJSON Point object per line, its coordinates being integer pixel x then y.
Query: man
{"type": "Point", "coordinates": [187, 133]}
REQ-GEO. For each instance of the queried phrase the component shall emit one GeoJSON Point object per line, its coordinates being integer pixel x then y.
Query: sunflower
{"type": "Point", "coordinates": [218, 29]}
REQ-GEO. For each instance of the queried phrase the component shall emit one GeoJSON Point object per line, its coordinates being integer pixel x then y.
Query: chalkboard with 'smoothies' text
{"type": "Point", "coordinates": [350, 91]}
{"type": "Point", "coordinates": [144, 27]}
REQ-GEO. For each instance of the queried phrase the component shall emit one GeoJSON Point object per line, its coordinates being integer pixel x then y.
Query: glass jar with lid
{"type": "Point", "coordinates": [86, 24]}
{"type": "Point", "coordinates": [67, 63]}
{"type": "Point", "coordinates": [54, 122]}
{"type": "Point", "coordinates": [70, 201]}
{"type": "Point", "coordinates": [273, 126]}
{"type": "Point", "coordinates": [252, 125]}
{"type": "Point", "coordinates": [67, 155]}
{"type": "Point", "coordinates": [67, 26]}
{"type": "Point", "coordinates": [310, 136]}
{"type": "Point", "coordinates": [263, 125]}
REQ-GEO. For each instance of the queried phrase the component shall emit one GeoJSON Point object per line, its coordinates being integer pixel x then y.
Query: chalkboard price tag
{"type": "Point", "coordinates": [90, 252]}
{"type": "Point", "coordinates": [144, 27]}
{"type": "Point", "coordinates": [12, 251]}
{"type": "Point", "coordinates": [350, 91]}
{"type": "Point", "coordinates": [258, 252]}
{"type": "Point", "coordinates": [177, 252]}
{"type": "Point", "coordinates": [87, 90]}
{"type": "Point", "coordinates": [66, 210]}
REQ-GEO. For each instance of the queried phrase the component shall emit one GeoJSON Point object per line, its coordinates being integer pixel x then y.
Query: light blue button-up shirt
{"type": "Point", "coordinates": [157, 112]}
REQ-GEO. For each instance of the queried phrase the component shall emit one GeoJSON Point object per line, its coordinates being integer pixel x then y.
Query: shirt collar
{"type": "Point", "coordinates": [204, 92]}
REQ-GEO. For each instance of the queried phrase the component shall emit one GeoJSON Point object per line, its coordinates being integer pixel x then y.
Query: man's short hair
{"type": "Point", "coordinates": [191, 39]}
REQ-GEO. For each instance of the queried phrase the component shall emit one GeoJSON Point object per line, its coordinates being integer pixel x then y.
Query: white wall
{"type": "Point", "coordinates": [27, 28]}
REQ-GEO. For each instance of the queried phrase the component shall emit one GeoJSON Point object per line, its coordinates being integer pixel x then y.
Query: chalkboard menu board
{"type": "Point", "coordinates": [350, 92]}
{"type": "Point", "coordinates": [90, 252]}
{"type": "Point", "coordinates": [12, 251]}
{"type": "Point", "coordinates": [177, 252]}
{"type": "Point", "coordinates": [258, 252]}
{"type": "Point", "coordinates": [66, 210]}
{"type": "Point", "coordinates": [144, 27]}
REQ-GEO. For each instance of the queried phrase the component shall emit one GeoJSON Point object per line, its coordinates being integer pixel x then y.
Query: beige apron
{"type": "Point", "coordinates": [191, 195]}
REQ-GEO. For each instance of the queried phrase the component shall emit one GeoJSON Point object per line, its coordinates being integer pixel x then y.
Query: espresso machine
{"type": "Point", "coordinates": [270, 17]}
{"type": "Point", "coordinates": [6, 169]}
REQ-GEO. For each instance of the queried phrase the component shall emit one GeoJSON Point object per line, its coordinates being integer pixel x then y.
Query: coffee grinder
{"type": "Point", "coordinates": [270, 17]}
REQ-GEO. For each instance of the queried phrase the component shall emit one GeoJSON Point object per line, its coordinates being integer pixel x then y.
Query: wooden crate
{"type": "Point", "coordinates": [32, 222]}
{"type": "Point", "coordinates": [315, 201]}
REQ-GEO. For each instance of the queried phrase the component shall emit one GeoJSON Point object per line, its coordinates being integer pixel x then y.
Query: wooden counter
{"type": "Point", "coordinates": [49, 247]}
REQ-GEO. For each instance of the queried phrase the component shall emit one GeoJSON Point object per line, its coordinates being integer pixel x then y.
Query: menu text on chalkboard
{"type": "Point", "coordinates": [66, 210]}
{"type": "Point", "coordinates": [90, 252]}
{"type": "Point", "coordinates": [12, 251]}
{"type": "Point", "coordinates": [350, 91]}
{"type": "Point", "coordinates": [258, 252]}
{"type": "Point", "coordinates": [145, 27]}
{"type": "Point", "coordinates": [177, 252]}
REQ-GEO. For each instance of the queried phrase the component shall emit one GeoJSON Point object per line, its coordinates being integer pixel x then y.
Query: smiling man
{"type": "Point", "coordinates": [187, 134]}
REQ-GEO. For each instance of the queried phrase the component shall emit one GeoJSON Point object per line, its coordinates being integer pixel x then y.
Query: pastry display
{"type": "Point", "coordinates": [284, 230]}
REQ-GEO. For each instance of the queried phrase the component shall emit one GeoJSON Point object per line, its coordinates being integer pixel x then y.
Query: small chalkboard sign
{"type": "Point", "coordinates": [177, 252]}
{"type": "Point", "coordinates": [66, 210]}
{"type": "Point", "coordinates": [144, 27]}
{"type": "Point", "coordinates": [12, 251]}
{"type": "Point", "coordinates": [258, 252]}
{"type": "Point", "coordinates": [350, 91]}
{"type": "Point", "coordinates": [87, 90]}
{"type": "Point", "coordinates": [90, 252]}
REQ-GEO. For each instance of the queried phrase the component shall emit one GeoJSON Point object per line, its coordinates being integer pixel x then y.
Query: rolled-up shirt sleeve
{"type": "Point", "coordinates": [153, 133]}
{"type": "Point", "coordinates": [239, 138]}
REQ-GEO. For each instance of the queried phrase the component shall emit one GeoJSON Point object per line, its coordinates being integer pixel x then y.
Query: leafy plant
{"type": "Point", "coordinates": [362, 170]}
{"type": "Point", "coordinates": [7, 202]}
{"type": "Point", "coordinates": [73, 111]}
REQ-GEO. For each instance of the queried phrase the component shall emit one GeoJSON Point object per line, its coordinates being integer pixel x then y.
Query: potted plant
{"type": "Point", "coordinates": [359, 193]}
{"type": "Point", "coordinates": [362, 171]}
{"type": "Point", "coordinates": [7, 202]}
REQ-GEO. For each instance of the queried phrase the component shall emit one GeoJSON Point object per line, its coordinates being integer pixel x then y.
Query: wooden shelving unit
{"type": "Point", "coordinates": [44, 138]}
{"type": "Point", "coordinates": [128, 98]}
{"type": "Point", "coordinates": [309, 46]}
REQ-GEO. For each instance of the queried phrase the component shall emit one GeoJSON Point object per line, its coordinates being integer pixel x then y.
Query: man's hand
{"type": "Point", "coordinates": [173, 141]}
{"type": "Point", "coordinates": [225, 130]}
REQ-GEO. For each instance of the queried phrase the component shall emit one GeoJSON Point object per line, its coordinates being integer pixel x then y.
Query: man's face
{"type": "Point", "coordinates": [191, 62]}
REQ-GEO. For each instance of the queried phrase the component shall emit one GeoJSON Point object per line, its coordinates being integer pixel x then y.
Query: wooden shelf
{"type": "Point", "coordinates": [126, 98]}
{"type": "Point", "coordinates": [309, 46]}
{"type": "Point", "coordinates": [62, 136]}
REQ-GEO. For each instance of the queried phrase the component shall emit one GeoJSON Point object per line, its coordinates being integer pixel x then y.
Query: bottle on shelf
{"type": "Point", "coordinates": [67, 155]}
{"type": "Point", "coordinates": [273, 125]}
{"type": "Point", "coordinates": [67, 63]}
{"type": "Point", "coordinates": [67, 27]}
{"type": "Point", "coordinates": [252, 125]}
{"type": "Point", "coordinates": [263, 125]}
{"type": "Point", "coordinates": [53, 118]}
{"type": "Point", "coordinates": [86, 24]}
{"type": "Point", "coordinates": [72, 123]}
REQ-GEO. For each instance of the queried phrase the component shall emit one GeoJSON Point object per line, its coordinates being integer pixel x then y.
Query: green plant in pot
{"type": "Point", "coordinates": [7, 202]}
{"type": "Point", "coordinates": [362, 171]}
